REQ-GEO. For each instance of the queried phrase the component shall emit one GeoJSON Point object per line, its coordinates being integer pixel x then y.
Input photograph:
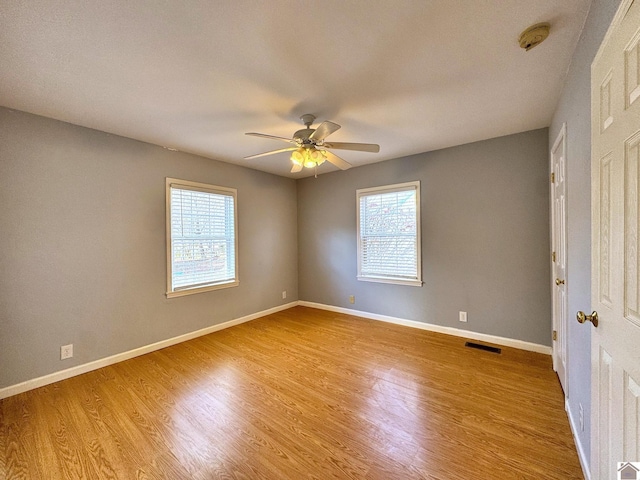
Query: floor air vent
{"type": "Point", "coordinates": [483, 347]}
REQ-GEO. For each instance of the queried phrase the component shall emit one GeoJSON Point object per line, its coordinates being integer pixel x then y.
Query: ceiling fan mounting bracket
{"type": "Point", "coordinates": [308, 119]}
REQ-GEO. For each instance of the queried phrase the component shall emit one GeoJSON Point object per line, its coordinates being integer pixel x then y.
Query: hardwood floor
{"type": "Point", "coordinates": [300, 394]}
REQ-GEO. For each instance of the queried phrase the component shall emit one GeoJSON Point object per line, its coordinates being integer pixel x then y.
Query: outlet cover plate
{"type": "Point", "coordinates": [66, 351]}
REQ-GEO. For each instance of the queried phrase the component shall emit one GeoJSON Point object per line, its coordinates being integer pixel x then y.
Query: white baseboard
{"type": "Point", "coordinates": [120, 357]}
{"type": "Point", "coordinates": [582, 456]}
{"type": "Point", "coordinates": [507, 342]}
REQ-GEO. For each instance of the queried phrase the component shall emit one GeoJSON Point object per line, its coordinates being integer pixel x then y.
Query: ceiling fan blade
{"type": "Point", "coordinates": [264, 135]}
{"type": "Point", "coordinates": [360, 147]}
{"type": "Point", "coordinates": [337, 161]}
{"type": "Point", "coordinates": [270, 153]}
{"type": "Point", "coordinates": [324, 130]}
{"type": "Point", "coordinates": [296, 168]}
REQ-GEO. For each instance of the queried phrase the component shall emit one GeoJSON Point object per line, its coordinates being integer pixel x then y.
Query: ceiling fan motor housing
{"type": "Point", "coordinates": [302, 136]}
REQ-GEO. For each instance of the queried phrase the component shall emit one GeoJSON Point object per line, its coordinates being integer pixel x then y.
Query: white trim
{"type": "Point", "coordinates": [396, 187]}
{"type": "Point", "coordinates": [507, 342]}
{"type": "Point", "coordinates": [561, 135]}
{"type": "Point", "coordinates": [206, 188]}
{"type": "Point", "coordinates": [584, 459]}
{"type": "Point", "coordinates": [120, 357]}
{"type": "Point", "coordinates": [395, 281]}
{"type": "Point", "coordinates": [561, 138]}
{"type": "Point", "coordinates": [622, 11]}
{"type": "Point", "coordinates": [385, 189]}
{"type": "Point", "coordinates": [207, 288]}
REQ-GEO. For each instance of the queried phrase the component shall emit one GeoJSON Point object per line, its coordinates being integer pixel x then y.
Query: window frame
{"type": "Point", "coordinates": [398, 187]}
{"type": "Point", "coordinates": [206, 188]}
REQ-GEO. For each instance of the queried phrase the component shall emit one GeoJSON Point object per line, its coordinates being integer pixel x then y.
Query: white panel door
{"type": "Point", "coordinates": [559, 257]}
{"type": "Point", "coordinates": [615, 290]}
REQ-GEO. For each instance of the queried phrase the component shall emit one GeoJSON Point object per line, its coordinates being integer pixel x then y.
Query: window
{"type": "Point", "coordinates": [201, 237]}
{"type": "Point", "coordinates": [389, 234]}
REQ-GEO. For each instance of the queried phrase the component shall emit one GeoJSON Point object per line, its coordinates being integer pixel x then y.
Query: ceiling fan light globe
{"type": "Point", "coordinates": [297, 158]}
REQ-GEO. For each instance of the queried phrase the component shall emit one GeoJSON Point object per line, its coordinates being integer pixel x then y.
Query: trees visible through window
{"type": "Point", "coordinates": [389, 234]}
{"type": "Point", "coordinates": [201, 237]}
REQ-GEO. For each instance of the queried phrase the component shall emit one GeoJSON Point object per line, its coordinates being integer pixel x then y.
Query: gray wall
{"type": "Point", "coordinates": [485, 238]}
{"type": "Point", "coordinates": [82, 236]}
{"type": "Point", "coordinates": [574, 108]}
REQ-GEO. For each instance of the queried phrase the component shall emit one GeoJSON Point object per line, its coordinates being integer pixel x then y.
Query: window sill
{"type": "Point", "coordinates": [208, 288]}
{"type": "Point", "coordinates": [394, 281]}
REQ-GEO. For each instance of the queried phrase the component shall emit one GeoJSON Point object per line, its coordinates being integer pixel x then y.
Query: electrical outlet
{"type": "Point", "coordinates": [352, 299]}
{"type": "Point", "coordinates": [66, 351]}
{"type": "Point", "coordinates": [284, 294]}
{"type": "Point", "coordinates": [463, 316]}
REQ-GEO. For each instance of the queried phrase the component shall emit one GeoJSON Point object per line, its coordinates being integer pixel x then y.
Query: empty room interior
{"type": "Point", "coordinates": [273, 240]}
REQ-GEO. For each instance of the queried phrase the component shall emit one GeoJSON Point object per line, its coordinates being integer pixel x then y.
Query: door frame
{"type": "Point", "coordinates": [562, 342]}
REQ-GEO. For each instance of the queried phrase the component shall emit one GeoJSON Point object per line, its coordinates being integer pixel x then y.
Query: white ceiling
{"type": "Point", "coordinates": [412, 75]}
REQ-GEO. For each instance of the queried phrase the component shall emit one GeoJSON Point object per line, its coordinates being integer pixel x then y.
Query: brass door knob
{"type": "Point", "coordinates": [559, 282]}
{"type": "Point", "coordinates": [593, 318]}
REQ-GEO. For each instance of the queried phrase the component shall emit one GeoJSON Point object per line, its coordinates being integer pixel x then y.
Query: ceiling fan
{"type": "Point", "coordinates": [310, 148]}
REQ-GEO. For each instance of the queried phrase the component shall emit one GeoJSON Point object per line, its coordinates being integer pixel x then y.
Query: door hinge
{"type": "Point", "coordinates": [553, 256]}
{"type": "Point", "coordinates": [553, 177]}
{"type": "Point", "coordinates": [555, 335]}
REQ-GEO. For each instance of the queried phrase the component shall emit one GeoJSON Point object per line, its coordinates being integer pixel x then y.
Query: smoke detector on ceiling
{"type": "Point", "coordinates": [534, 35]}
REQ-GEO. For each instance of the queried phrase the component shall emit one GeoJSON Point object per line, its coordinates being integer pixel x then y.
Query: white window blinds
{"type": "Point", "coordinates": [201, 237]}
{"type": "Point", "coordinates": [389, 234]}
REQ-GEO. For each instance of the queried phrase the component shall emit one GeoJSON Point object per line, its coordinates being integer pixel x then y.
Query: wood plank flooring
{"type": "Point", "coordinates": [300, 394]}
